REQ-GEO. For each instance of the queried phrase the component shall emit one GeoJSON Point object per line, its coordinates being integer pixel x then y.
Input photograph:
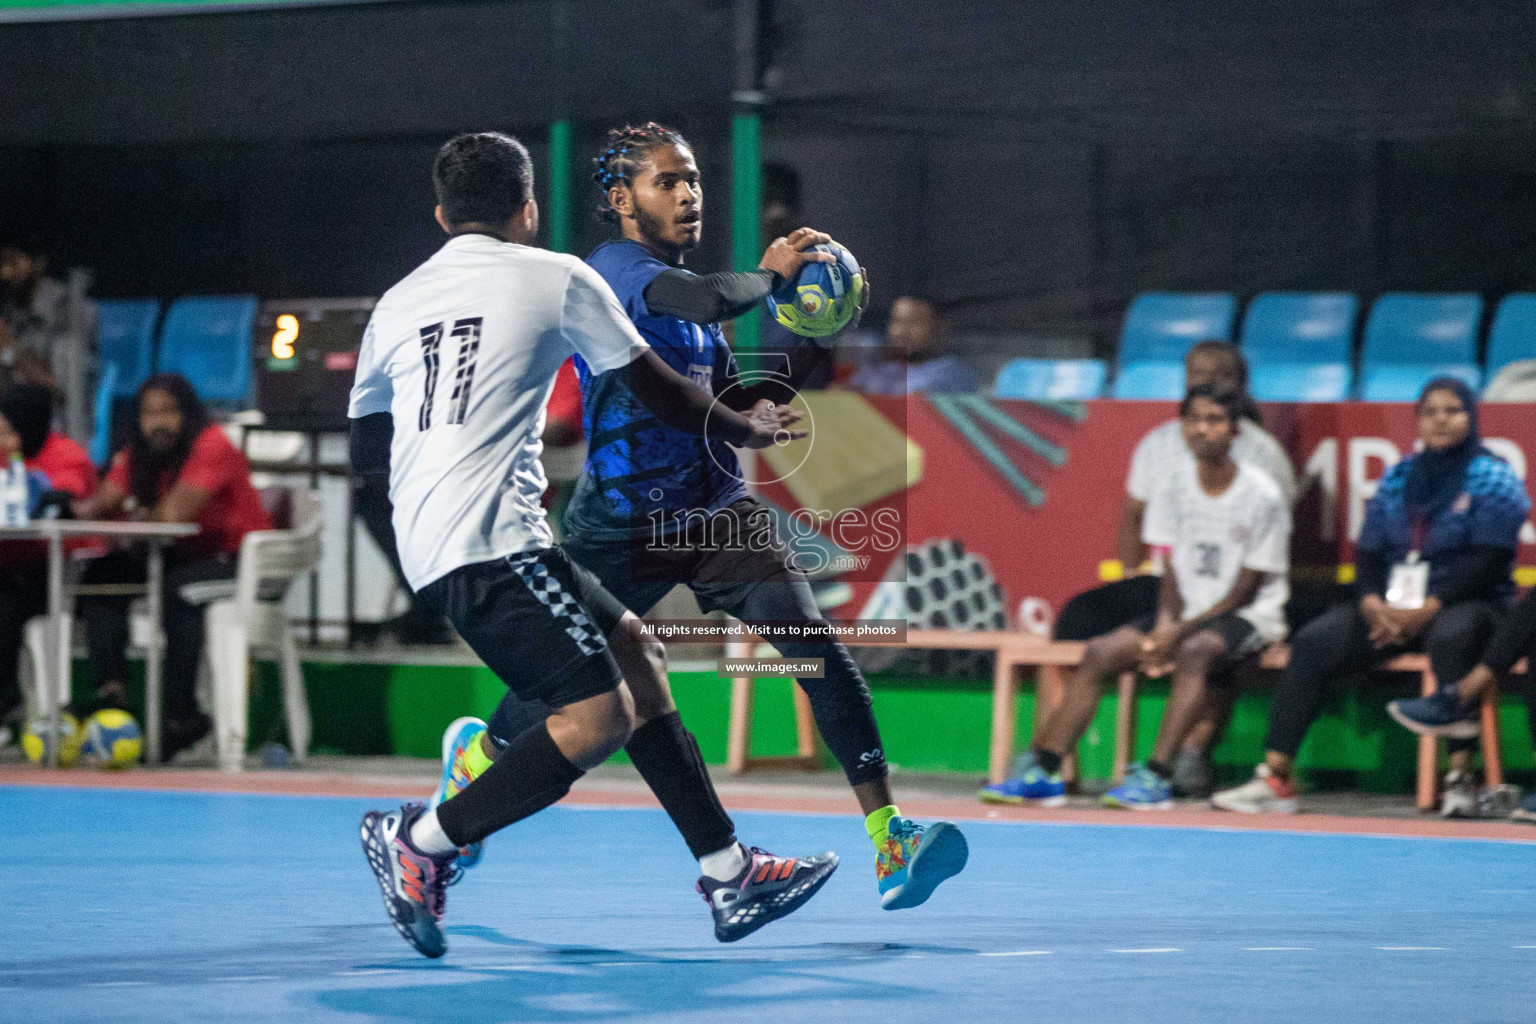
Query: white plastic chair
{"type": "Point", "coordinates": [245, 615]}
{"type": "Point", "coordinates": [37, 660]}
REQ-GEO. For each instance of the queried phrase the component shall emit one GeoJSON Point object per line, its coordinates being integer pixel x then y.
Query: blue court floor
{"type": "Point", "coordinates": [134, 906]}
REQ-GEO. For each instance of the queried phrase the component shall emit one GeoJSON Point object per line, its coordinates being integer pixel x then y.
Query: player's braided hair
{"type": "Point", "coordinates": [624, 157]}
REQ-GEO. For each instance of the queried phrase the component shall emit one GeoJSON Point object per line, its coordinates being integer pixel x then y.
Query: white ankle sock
{"type": "Point", "coordinates": [724, 865]}
{"type": "Point", "coordinates": [428, 836]}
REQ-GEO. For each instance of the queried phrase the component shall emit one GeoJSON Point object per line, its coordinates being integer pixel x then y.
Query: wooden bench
{"type": "Point", "coordinates": [1013, 651]}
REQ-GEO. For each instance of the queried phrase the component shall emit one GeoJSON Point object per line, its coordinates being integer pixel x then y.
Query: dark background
{"type": "Point", "coordinates": [1034, 165]}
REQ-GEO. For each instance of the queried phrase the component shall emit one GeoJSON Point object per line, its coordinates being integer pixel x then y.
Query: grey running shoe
{"type": "Point", "coordinates": [767, 889]}
{"type": "Point", "coordinates": [1498, 801]}
{"type": "Point", "coordinates": [1192, 775]}
{"type": "Point", "coordinates": [1526, 812]}
{"type": "Point", "coordinates": [413, 883]}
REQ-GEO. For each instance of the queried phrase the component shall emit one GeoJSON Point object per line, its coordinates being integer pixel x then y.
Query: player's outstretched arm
{"type": "Point", "coordinates": [711, 298]}
{"type": "Point", "coordinates": [678, 402]}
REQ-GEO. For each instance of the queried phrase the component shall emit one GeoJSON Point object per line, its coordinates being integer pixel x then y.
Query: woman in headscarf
{"type": "Point", "coordinates": [1432, 569]}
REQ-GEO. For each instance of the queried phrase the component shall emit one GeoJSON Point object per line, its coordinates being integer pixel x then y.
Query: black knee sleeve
{"type": "Point", "coordinates": [844, 710]}
{"type": "Point", "coordinates": [668, 759]}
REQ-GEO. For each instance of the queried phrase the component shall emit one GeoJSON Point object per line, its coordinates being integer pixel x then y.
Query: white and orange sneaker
{"type": "Point", "coordinates": [1265, 793]}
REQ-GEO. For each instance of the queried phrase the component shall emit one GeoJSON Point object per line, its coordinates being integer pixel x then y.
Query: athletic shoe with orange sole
{"type": "Point", "coordinates": [767, 889]}
{"type": "Point", "coordinates": [412, 883]}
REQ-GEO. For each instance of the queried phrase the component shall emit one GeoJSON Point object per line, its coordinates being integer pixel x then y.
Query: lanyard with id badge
{"type": "Point", "coordinates": [1408, 585]}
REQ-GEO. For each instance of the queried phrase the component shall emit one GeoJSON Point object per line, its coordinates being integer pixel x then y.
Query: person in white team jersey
{"type": "Point", "coordinates": [1226, 528]}
{"type": "Point", "coordinates": [454, 372]}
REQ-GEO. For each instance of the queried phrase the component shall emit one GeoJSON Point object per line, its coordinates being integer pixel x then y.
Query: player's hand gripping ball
{"type": "Point", "coordinates": [35, 742]}
{"type": "Point", "coordinates": [112, 739]}
{"type": "Point", "coordinates": [823, 298]}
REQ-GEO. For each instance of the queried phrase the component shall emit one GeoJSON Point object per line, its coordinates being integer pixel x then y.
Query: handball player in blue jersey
{"type": "Point", "coordinates": [656, 507]}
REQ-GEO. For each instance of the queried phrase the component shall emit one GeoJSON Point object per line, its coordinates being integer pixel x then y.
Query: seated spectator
{"type": "Point", "coordinates": [53, 462]}
{"type": "Point", "coordinates": [177, 468]}
{"type": "Point", "coordinates": [916, 360]}
{"type": "Point", "coordinates": [1452, 712]}
{"type": "Point", "coordinates": [1432, 568]}
{"type": "Point", "coordinates": [1104, 609]}
{"type": "Point", "coordinates": [50, 335]}
{"type": "Point", "coordinates": [1221, 600]}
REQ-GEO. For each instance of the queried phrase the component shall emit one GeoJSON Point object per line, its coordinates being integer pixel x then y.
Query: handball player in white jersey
{"type": "Point", "coordinates": [455, 369]}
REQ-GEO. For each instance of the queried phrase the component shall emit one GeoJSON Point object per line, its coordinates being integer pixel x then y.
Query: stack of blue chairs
{"type": "Point", "coordinates": [207, 339]}
{"type": "Point", "coordinates": [1160, 329]}
{"type": "Point", "coordinates": [1412, 339]}
{"type": "Point", "coordinates": [1051, 379]}
{"type": "Point", "coordinates": [126, 351]}
{"type": "Point", "coordinates": [1298, 346]}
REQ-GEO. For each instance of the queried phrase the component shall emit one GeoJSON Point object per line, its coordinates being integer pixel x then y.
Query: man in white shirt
{"type": "Point", "coordinates": [1225, 530]}
{"type": "Point", "coordinates": [453, 376]}
{"type": "Point", "coordinates": [1103, 609]}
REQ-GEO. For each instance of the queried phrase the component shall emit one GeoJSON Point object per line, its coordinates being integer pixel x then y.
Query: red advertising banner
{"type": "Point", "coordinates": [1046, 526]}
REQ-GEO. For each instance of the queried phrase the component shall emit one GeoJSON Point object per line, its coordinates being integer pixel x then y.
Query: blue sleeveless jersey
{"type": "Point", "coordinates": [638, 468]}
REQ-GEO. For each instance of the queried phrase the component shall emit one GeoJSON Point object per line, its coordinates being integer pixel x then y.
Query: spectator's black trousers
{"type": "Point", "coordinates": [1338, 643]}
{"type": "Point", "coordinates": [22, 595]}
{"type": "Point", "coordinates": [106, 622]}
{"type": "Point", "coordinates": [1105, 609]}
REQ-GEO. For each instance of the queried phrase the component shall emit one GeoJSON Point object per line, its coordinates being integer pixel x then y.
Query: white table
{"type": "Point", "coordinates": [155, 536]}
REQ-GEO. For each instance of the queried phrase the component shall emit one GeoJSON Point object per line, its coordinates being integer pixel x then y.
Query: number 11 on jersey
{"type": "Point", "coordinates": [467, 332]}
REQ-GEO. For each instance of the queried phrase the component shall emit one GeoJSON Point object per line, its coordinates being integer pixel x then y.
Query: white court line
{"type": "Point", "coordinates": [617, 963]}
{"type": "Point", "coordinates": [249, 977]}
{"type": "Point", "coordinates": [1522, 947]}
{"type": "Point", "coordinates": [1154, 949]}
{"type": "Point", "coordinates": [115, 984]}
{"type": "Point", "coordinates": [1409, 949]}
{"type": "Point", "coordinates": [1280, 949]}
{"type": "Point", "coordinates": [1021, 952]}
{"type": "Point", "coordinates": [366, 972]}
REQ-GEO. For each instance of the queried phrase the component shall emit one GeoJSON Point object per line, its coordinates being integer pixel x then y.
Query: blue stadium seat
{"type": "Point", "coordinates": [207, 339]}
{"type": "Point", "coordinates": [1050, 379]}
{"type": "Point", "coordinates": [101, 439]}
{"type": "Point", "coordinates": [1160, 328]}
{"type": "Point", "coordinates": [1513, 334]}
{"type": "Point", "coordinates": [127, 340]}
{"type": "Point", "coordinates": [1411, 339]}
{"type": "Point", "coordinates": [1298, 346]}
{"type": "Point", "coordinates": [1160, 381]}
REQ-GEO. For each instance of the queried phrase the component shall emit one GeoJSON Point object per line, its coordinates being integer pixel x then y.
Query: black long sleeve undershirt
{"type": "Point", "coordinates": [368, 444]}
{"type": "Point", "coordinates": [709, 298]}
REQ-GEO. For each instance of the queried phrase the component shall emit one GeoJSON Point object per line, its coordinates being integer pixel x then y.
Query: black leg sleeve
{"type": "Point", "coordinates": [529, 776]}
{"type": "Point", "coordinates": [668, 759]}
{"type": "Point", "coordinates": [1336, 642]}
{"type": "Point", "coordinates": [840, 700]}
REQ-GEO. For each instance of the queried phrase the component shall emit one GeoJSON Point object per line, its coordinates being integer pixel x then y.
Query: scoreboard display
{"type": "Point", "coordinates": [303, 358]}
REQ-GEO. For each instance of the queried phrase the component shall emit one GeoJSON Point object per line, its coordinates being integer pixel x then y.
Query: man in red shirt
{"type": "Point", "coordinates": [26, 415]}
{"type": "Point", "coordinates": [178, 468]}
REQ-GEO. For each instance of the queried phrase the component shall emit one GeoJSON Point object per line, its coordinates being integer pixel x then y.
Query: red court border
{"type": "Point", "coordinates": [953, 808]}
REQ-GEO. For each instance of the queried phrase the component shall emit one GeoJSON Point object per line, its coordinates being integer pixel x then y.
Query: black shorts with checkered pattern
{"type": "Point", "coordinates": [537, 620]}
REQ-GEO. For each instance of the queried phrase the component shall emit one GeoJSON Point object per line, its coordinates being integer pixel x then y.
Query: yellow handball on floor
{"type": "Point", "coordinates": [112, 739]}
{"type": "Point", "coordinates": [35, 742]}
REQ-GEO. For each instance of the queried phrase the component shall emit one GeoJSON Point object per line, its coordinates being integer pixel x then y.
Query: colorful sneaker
{"type": "Point", "coordinates": [767, 889]}
{"type": "Point", "coordinates": [914, 859]}
{"type": "Point", "coordinates": [1141, 790]}
{"type": "Point", "coordinates": [1030, 785]}
{"type": "Point", "coordinates": [1439, 714]}
{"type": "Point", "coordinates": [413, 883]}
{"type": "Point", "coordinates": [461, 732]}
{"type": "Point", "coordinates": [1265, 793]}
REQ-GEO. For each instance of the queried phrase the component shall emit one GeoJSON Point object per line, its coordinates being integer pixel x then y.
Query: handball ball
{"type": "Point", "coordinates": [35, 742]}
{"type": "Point", "coordinates": [823, 297]}
{"type": "Point", "coordinates": [112, 739]}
